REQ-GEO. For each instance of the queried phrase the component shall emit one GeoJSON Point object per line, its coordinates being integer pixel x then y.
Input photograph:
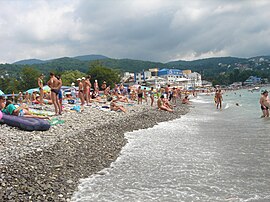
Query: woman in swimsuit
{"type": "Point", "coordinates": [40, 85]}
{"type": "Point", "coordinates": [151, 93]}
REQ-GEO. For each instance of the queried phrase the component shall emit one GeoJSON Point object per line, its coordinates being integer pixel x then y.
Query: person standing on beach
{"type": "Point", "coordinates": [264, 101]}
{"type": "Point", "coordinates": [151, 93]}
{"type": "Point", "coordinates": [87, 88]}
{"type": "Point", "coordinates": [40, 85]}
{"type": "Point", "coordinates": [60, 95]}
{"type": "Point", "coordinates": [81, 93]}
{"type": "Point", "coordinates": [140, 94]}
{"type": "Point", "coordinates": [145, 94]}
{"type": "Point", "coordinates": [219, 99]}
{"type": "Point", "coordinates": [96, 88]}
{"type": "Point", "coordinates": [54, 84]}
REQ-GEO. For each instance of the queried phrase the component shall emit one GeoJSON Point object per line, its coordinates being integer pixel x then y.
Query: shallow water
{"type": "Point", "coordinates": [207, 155]}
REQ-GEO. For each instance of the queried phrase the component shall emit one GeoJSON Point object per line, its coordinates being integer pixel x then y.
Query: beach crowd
{"type": "Point", "coordinates": [85, 94]}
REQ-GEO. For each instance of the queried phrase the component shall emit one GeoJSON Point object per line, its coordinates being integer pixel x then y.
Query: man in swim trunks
{"type": "Point", "coordinates": [55, 86]}
{"type": "Point", "coordinates": [264, 101]}
{"type": "Point", "coordinates": [140, 94]}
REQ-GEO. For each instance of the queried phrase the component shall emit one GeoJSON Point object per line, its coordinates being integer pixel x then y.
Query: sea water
{"type": "Point", "coordinates": [206, 155]}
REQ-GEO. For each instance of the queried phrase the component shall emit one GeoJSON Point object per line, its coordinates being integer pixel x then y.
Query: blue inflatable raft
{"type": "Point", "coordinates": [28, 124]}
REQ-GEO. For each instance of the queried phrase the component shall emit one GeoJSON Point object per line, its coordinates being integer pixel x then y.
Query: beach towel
{"type": "Point", "coordinates": [76, 108]}
{"type": "Point", "coordinates": [56, 121]}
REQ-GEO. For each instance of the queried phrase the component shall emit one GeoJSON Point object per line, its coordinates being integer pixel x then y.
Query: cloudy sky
{"type": "Point", "coordinates": [155, 30]}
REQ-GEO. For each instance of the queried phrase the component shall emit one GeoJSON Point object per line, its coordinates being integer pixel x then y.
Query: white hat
{"type": "Point", "coordinates": [37, 95]}
{"type": "Point", "coordinates": [79, 79]}
{"type": "Point", "coordinates": [83, 78]}
{"type": "Point", "coordinates": [72, 84]}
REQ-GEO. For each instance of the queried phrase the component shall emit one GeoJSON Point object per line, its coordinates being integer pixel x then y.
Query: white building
{"type": "Point", "coordinates": [142, 77]}
{"type": "Point", "coordinates": [195, 79]}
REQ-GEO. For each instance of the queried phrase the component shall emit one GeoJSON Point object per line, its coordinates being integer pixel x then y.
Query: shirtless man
{"type": "Point", "coordinates": [81, 94]}
{"type": "Point", "coordinates": [86, 88]}
{"type": "Point", "coordinates": [265, 104]}
{"type": "Point", "coordinates": [55, 85]}
{"type": "Point", "coordinates": [140, 94]}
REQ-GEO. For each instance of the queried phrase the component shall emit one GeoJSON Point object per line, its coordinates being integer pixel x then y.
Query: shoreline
{"type": "Point", "coordinates": [51, 171]}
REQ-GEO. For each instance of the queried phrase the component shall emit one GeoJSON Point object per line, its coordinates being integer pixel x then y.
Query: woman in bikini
{"type": "Point", "coordinates": [151, 93]}
{"type": "Point", "coordinates": [40, 85]}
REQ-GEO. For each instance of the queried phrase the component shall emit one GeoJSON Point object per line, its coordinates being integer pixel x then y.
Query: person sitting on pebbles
{"type": "Point", "coordinates": [163, 104]}
{"type": "Point", "coordinates": [185, 100]}
{"type": "Point", "coordinates": [115, 107]}
{"type": "Point", "coordinates": [10, 109]}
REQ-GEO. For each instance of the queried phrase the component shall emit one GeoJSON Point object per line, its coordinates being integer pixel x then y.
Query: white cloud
{"type": "Point", "coordinates": [155, 30]}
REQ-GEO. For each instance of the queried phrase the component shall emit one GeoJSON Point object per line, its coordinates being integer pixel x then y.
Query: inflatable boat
{"type": "Point", "coordinates": [28, 124]}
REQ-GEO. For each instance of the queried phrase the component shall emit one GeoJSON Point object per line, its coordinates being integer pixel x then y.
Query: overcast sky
{"type": "Point", "coordinates": [155, 30]}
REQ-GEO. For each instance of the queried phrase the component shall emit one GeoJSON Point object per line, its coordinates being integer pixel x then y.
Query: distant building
{"type": "Point", "coordinates": [170, 75]}
{"type": "Point", "coordinates": [141, 77]}
{"type": "Point", "coordinates": [195, 79]}
{"type": "Point", "coordinates": [253, 80]}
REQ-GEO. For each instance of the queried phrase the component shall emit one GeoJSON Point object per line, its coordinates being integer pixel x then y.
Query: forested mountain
{"type": "Point", "coordinates": [217, 68]}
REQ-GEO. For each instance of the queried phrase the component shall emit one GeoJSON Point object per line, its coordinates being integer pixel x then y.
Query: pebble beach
{"type": "Point", "coordinates": [47, 165]}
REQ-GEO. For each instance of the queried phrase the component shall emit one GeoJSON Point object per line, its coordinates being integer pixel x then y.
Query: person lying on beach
{"type": "Point", "coordinates": [95, 97]}
{"type": "Point", "coordinates": [185, 100]}
{"type": "Point", "coordinates": [121, 98]}
{"type": "Point", "coordinates": [115, 107]}
{"type": "Point", "coordinates": [45, 101]}
{"type": "Point", "coordinates": [161, 104]}
{"type": "Point", "coordinates": [11, 109]}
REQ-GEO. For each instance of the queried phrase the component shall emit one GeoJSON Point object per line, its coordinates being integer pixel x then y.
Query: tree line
{"type": "Point", "coordinates": [27, 77]}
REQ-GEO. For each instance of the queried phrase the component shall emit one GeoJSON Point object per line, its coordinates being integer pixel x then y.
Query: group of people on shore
{"type": "Point", "coordinates": [166, 97]}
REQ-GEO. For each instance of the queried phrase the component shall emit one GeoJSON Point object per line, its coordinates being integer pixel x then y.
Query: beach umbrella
{"type": "Point", "coordinates": [30, 91]}
{"type": "Point", "coordinates": [1, 92]}
{"type": "Point", "coordinates": [46, 88]}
